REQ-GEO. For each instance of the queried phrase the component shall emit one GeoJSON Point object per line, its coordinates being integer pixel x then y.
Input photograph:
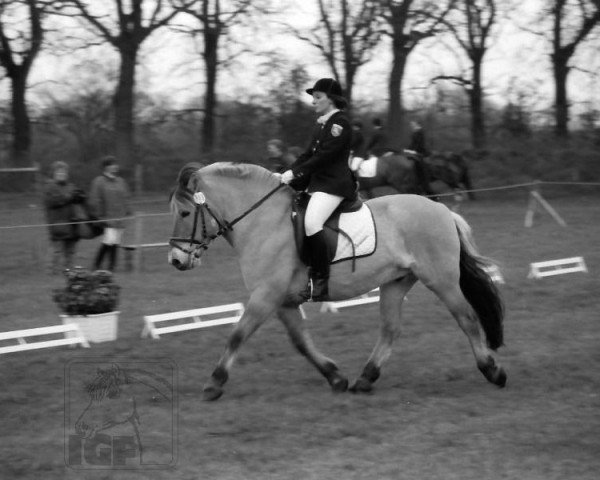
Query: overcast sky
{"type": "Point", "coordinates": [170, 67]}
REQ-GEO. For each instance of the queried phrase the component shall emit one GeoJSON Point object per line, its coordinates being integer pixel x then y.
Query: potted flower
{"type": "Point", "coordinates": [90, 300]}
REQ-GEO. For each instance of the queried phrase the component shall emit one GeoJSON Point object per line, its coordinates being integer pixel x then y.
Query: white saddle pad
{"type": "Point", "coordinates": [360, 227]}
{"type": "Point", "coordinates": [368, 168]}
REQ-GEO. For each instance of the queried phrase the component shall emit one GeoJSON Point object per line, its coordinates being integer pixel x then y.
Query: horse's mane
{"type": "Point", "coordinates": [107, 383]}
{"type": "Point", "coordinates": [243, 171]}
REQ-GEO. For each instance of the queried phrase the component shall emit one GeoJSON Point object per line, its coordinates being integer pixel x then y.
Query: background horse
{"type": "Point", "coordinates": [448, 172]}
{"type": "Point", "coordinates": [418, 239]}
{"type": "Point", "coordinates": [123, 401]}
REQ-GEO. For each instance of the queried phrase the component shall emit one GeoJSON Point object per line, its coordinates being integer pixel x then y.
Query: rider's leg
{"type": "Point", "coordinates": [319, 209]}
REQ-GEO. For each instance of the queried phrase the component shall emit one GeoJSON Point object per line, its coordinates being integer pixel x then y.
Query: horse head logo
{"type": "Point", "coordinates": [123, 401]}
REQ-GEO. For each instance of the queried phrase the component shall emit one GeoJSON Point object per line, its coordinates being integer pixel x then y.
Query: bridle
{"type": "Point", "coordinates": [197, 247]}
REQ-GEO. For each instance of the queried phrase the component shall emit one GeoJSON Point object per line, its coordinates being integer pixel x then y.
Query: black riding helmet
{"type": "Point", "coordinates": [332, 89]}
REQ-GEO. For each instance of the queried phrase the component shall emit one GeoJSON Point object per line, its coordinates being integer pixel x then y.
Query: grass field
{"type": "Point", "coordinates": [431, 416]}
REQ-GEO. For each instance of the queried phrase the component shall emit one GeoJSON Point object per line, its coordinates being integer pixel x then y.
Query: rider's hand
{"type": "Point", "coordinates": [287, 177]}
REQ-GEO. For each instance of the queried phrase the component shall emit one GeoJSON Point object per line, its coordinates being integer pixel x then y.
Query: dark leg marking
{"type": "Point", "coordinates": [364, 383]}
{"type": "Point", "coordinates": [220, 375]}
{"type": "Point", "coordinates": [338, 382]}
{"type": "Point", "coordinates": [236, 340]}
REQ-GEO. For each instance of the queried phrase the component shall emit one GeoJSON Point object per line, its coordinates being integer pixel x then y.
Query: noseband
{"type": "Point", "coordinates": [197, 247]}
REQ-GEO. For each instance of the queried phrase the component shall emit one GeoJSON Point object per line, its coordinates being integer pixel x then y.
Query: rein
{"type": "Point", "coordinates": [196, 247]}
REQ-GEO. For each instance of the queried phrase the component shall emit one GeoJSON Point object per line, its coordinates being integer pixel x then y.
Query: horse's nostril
{"type": "Point", "coordinates": [175, 262]}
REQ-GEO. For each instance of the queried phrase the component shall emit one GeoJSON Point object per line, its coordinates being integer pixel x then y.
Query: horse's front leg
{"type": "Point", "coordinates": [390, 305]}
{"type": "Point", "coordinates": [262, 304]}
{"type": "Point", "coordinates": [301, 339]}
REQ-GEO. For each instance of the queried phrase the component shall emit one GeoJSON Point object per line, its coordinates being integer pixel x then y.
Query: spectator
{"type": "Point", "coordinates": [60, 196]}
{"type": "Point", "coordinates": [358, 139]}
{"type": "Point", "coordinates": [417, 139]}
{"type": "Point", "coordinates": [378, 144]}
{"type": "Point", "coordinates": [418, 151]}
{"type": "Point", "coordinates": [109, 201]}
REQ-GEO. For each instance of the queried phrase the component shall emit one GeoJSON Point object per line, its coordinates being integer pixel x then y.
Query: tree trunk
{"type": "Point", "coordinates": [21, 122]}
{"type": "Point", "coordinates": [211, 61]}
{"type": "Point", "coordinates": [396, 106]}
{"type": "Point", "coordinates": [350, 73]}
{"type": "Point", "coordinates": [478, 136]}
{"type": "Point", "coordinates": [124, 105]}
{"type": "Point", "coordinates": [561, 105]}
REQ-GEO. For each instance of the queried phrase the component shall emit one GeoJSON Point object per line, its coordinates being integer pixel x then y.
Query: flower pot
{"type": "Point", "coordinates": [98, 327]}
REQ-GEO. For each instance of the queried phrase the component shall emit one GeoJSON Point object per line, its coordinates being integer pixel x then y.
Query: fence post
{"type": "Point", "coordinates": [535, 199]}
{"type": "Point", "coordinates": [138, 235]}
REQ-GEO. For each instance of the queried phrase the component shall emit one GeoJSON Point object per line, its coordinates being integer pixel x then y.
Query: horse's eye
{"type": "Point", "coordinates": [184, 214]}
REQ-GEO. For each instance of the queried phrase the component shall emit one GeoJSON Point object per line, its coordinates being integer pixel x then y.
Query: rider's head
{"type": "Point", "coordinates": [327, 95]}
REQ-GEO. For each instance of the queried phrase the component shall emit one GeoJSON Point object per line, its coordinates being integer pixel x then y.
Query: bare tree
{"type": "Point", "coordinates": [345, 36]}
{"type": "Point", "coordinates": [572, 22]}
{"type": "Point", "coordinates": [125, 27]}
{"type": "Point", "coordinates": [472, 29]}
{"type": "Point", "coordinates": [216, 18]}
{"type": "Point", "coordinates": [408, 22]}
{"type": "Point", "coordinates": [20, 43]}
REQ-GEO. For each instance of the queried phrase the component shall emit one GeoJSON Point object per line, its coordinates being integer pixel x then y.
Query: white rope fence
{"type": "Point", "coordinates": [453, 193]}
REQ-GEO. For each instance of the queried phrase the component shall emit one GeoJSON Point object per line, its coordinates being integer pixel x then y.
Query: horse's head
{"type": "Point", "coordinates": [206, 200]}
{"type": "Point", "coordinates": [191, 229]}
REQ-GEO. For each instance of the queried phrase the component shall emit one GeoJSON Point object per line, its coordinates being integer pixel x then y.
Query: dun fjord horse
{"type": "Point", "coordinates": [418, 239]}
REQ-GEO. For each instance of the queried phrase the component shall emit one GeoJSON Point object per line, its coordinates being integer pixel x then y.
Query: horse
{"type": "Point", "coordinates": [418, 240]}
{"type": "Point", "coordinates": [125, 399]}
{"type": "Point", "coordinates": [448, 172]}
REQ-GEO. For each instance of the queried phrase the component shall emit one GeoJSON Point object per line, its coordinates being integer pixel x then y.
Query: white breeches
{"type": "Point", "coordinates": [320, 207]}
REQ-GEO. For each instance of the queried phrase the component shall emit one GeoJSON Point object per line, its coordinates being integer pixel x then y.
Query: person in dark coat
{"type": "Point", "coordinates": [324, 172]}
{"type": "Point", "coordinates": [418, 151]}
{"type": "Point", "coordinates": [358, 139]}
{"type": "Point", "coordinates": [60, 196]}
{"type": "Point", "coordinates": [417, 139]}
{"type": "Point", "coordinates": [378, 143]}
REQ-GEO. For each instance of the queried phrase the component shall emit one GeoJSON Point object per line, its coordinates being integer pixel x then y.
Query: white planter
{"type": "Point", "coordinates": [96, 328]}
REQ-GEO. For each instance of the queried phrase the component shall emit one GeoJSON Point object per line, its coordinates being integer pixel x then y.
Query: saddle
{"type": "Point", "coordinates": [334, 231]}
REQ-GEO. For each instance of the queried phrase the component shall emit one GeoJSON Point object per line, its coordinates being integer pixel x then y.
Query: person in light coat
{"type": "Point", "coordinates": [109, 201]}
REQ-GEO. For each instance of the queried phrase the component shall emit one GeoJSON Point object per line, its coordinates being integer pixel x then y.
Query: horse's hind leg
{"type": "Point", "coordinates": [390, 305]}
{"type": "Point", "coordinates": [301, 339]}
{"type": "Point", "coordinates": [456, 302]}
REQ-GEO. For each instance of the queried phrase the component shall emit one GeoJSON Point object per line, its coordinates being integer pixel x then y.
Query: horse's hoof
{"type": "Point", "coordinates": [500, 379]}
{"type": "Point", "coordinates": [361, 385]}
{"type": "Point", "coordinates": [493, 373]}
{"type": "Point", "coordinates": [339, 384]}
{"type": "Point", "coordinates": [211, 393]}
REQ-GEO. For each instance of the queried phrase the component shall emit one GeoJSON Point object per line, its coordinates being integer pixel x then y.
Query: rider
{"type": "Point", "coordinates": [323, 170]}
{"type": "Point", "coordinates": [378, 144]}
{"type": "Point", "coordinates": [419, 151]}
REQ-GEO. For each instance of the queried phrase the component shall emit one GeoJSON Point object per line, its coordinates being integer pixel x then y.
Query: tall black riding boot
{"type": "Point", "coordinates": [319, 263]}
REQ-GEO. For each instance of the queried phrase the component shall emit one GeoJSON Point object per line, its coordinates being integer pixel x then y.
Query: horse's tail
{"type": "Point", "coordinates": [478, 287]}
